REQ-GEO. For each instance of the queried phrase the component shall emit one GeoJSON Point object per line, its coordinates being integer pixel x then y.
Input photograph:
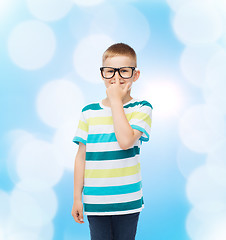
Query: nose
{"type": "Point", "coordinates": [117, 75]}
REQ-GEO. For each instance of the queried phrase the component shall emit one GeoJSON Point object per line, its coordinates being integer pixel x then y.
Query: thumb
{"type": "Point", "coordinates": [128, 86]}
{"type": "Point", "coordinates": [80, 215]}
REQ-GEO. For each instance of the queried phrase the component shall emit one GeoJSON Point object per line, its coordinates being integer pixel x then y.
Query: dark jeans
{"type": "Point", "coordinates": [113, 227]}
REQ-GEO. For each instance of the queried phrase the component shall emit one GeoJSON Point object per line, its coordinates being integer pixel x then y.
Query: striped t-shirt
{"type": "Point", "coordinates": [112, 181]}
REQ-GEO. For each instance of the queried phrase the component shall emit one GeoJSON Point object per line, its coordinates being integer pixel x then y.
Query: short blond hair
{"type": "Point", "coordinates": [120, 49]}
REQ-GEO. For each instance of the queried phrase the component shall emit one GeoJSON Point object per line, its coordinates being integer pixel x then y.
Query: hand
{"type": "Point", "coordinates": [77, 211]}
{"type": "Point", "coordinates": [116, 92]}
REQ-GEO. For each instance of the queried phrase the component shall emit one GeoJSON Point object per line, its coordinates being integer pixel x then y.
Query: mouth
{"type": "Point", "coordinates": [121, 83]}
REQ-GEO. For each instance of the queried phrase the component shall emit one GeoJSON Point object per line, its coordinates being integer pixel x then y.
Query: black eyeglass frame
{"type": "Point", "coordinates": [118, 70]}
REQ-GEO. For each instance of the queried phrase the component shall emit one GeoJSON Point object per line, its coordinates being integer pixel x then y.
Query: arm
{"type": "Point", "coordinates": [79, 168]}
{"type": "Point", "coordinates": [125, 135]}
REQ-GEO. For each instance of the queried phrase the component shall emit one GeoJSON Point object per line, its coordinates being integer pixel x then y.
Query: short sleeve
{"type": "Point", "coordinates": [82, 130]}
{"type": "Point", "coordinates": [141, 119]}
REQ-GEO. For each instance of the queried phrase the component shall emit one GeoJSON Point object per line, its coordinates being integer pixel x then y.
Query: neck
{"type": "Point", "coordinates": [124, 100]}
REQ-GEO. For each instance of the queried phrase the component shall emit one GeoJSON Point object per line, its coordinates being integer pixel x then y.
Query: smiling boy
{"type": "Point", "coordinates": [107, 164]}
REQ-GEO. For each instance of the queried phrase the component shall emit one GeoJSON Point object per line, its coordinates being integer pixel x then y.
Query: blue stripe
{"type": "Point", "coordinates": [104, 137]}
{"type": "Point", "coordinates": [79, 139]}
{"type": "Point", "coordinates": [142, 138]}
{"type": "Point", "coordinates": [113, 190]}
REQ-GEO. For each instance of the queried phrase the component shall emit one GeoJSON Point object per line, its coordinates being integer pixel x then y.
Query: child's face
{"type": "Point", "coordinates": [118, 62]}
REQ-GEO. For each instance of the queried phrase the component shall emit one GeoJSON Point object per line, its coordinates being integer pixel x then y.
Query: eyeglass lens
{"type": "Point", "coordinates": [125, 72]}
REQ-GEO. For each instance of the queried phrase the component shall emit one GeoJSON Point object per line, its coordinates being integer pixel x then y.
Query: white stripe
{"type": "Point", "coordinates": [101, 112]}
{"type": "Point", "coordinates": [111, 164]}
{"type": "Point", "coordinates": [115, 181]}
{"type": "Point", "coordinates": [98, 129]}
{"type": "Point", "coordinates": [106, 146]}
{"type": "Point", "coordinates": [81, 133]}
{"type": "Point", "coordinates": [115, 213]}
{"type": "Point", "coordinates": [113, 198]}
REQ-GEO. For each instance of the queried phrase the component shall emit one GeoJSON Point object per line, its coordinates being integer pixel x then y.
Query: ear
{"type": "Point", "coordinates": [101, 76]}
{"type": "Point", "coordinates": [136, 75]}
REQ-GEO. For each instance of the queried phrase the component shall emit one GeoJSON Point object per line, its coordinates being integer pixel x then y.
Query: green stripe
{"type": "Point", "coordinates": [113, 190]}
{"type": "Point", "coordinates": [113, 206]}
{"type": "Point", "coordinates": [92, 106]}
{"type": "Point", "coordinates": [96, 106]}
{"type": "Point", "coordinates": [112, 155]}
{"type": "Point", "coordinates": [143, 103]}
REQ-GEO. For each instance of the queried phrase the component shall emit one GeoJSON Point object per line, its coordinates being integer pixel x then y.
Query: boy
{"type": "Point", "coordinates": [107, 164]}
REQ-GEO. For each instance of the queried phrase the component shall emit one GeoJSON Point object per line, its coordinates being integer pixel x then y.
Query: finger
{"type": "Point", "coordinates": [76, 217]}
{"type": "Point", "coordinates": [128, 85]}
{"type": "Point", "coordinates": [80, 216]}
{"type": "Point", "coordinates": [117, 82]}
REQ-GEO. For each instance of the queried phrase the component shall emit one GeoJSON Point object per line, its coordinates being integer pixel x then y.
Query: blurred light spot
{"type": "Point", "coordinates": [206, 226]}
{"type": "Point", "coordinates": [4, 208]}
{"type": "Point", "coordinates": [33, 208]}
{"type": "Point", "coordinates": [218, 231]}
{"type": "Point", "coordinates": [88, 57]}
{"type": "Point", "coordinates": [132, 27]}
{"type": "Point", "coordinates": [105, 21]}
{"type": "Point", "coordinates": [165, 95]}
{"type": "Point", "coordinates": [63, 142]}
{"type": "Point", "coordinates": [204, 193]}
{"type": "Point", "coordinates": [16, 229]}
{"type": "Point", "coordinates": [59, 101]}
{"type": "Point", "coordinates": [188, 160]}
{"type": "Point", "coordinates": [37, 165]}
{"type": "Point", "coordinates": [49, 10]}
{"type": "Point", "coordinates": [79, 23]}
{"type": "Point", "coordinates": [201, 127]}
{"type": "Point", "coordinates": [5, 5]}
{"type": "Point", "coordinates": [222, 40]}
{"type": "Point", "coordinates": [216, 163]}
{"type": "Point", "coordinates": [31, 44]}
{"type": "Point", "coordinates": [2, 235]}
{"type": "Point", "coordinates": [215, 84]}
{"type": "Point", "coordinates": [194, 60]}
{"type": "Point", "coordinates": [177, 4]}
{"type": "Point", "coordinates": [87, 3]}
{"type": "Point", "coordinates": [23, 235]}
{"type": "Point", "coordinates": [197, 23]}
{"type": "Point", "coordinates": [16, 138]}
{"type": "Point", "coordinates": [47, 232]}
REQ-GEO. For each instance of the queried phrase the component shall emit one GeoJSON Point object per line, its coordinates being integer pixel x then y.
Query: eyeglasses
{"type": "Point", "coordinates": [124, 72]}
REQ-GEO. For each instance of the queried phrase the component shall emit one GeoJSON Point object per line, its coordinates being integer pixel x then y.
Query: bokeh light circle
{"type": "Point", "coordinates": [31, 44]}
{"type": "Point", "coordinates": [62, 141]}
{"type": "Point", "coordinates": [216, 163]}
{"type": "Point", "coordinates": [59, 101]}
{"type": "Point", "coordinates": [37, 165]}
{"type": "Point", "coordinates": [194, 60]}
{"type": "Point", "coordinates": [200, 128]}
{"type": "Point", "coordinates": [49, 10]}
{"type": "Point", "coordinates": [33, 208]}
{"type": "Point", "coordinates": [215, 84]}
{"type": "Point", "coordinates": [204, 193]}
{"type": "Point", "coordinates": [196, 23]}
{"type": "Point", "coordinates": [87, 3]}
{"type": "Point", "coordinates": [88, 56]}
